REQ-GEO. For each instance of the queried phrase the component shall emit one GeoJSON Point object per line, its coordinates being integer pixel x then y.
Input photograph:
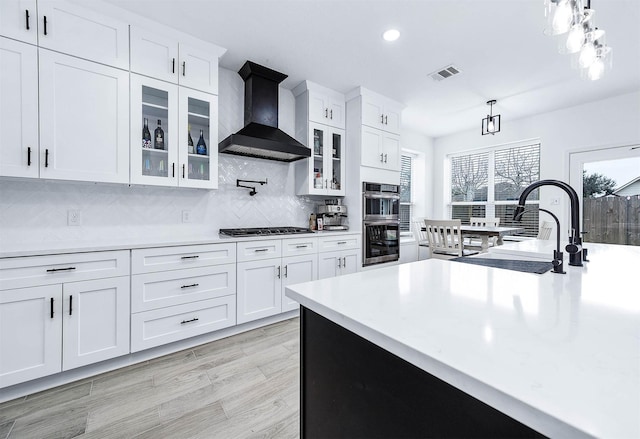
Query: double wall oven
{"type": "Point", "coordinates": [381, 223]}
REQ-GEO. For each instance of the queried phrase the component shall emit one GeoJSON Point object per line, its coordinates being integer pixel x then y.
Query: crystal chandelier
{"type": "Point", "coordinates": [584, 41]}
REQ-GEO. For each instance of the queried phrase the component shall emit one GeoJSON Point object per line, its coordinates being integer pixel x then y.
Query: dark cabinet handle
{"type": "Point", "coordinates": [278, 272]}
{"type": "Point", "coordinates": [195, 319]}
{"type": "Point", "coordinates": [29, 156]}
{"type": "Point", "coordinates": [342, 242]}
{"type": "Point", "coordinates": [285, 270]}
{"type": "Point", "coordinates": [183, 170]}
{"type": "Point", "coordinates": [385, 158]}
{"type": "Point", "coordinates": [189, 286]}
{"type": "Point", "coordinates": [46, 158]}
{"type": "Point", "coordinates": [344, 262]}
{"type": "Point", "coordinates": [53, 270]}
{"type": "Point", "coordinates": [26, 17]}
{"type": "Point", "coordinates": [261, 250]}
{"type": "Point", "coordinates": [184, 66]}
{"type": "Point", "coordinates": [386, 120]}
{"type": "Point", "coordinates": [381, 157]}
{"type": "Point", "coordinates": [173, 65]}
{"type": "Point", "coordinates": [301, 246]}
{"type": "Point", "coordinates": [52, 307]}
{"type": "Point", "coordinates": [45, 24]}
{"type": "Point", "coordinates": [326, 112]}
{"type": "Point", "coordinates": [173, 169]}
{"type": "Point", "coordinates": [331, 114]}
{"type": "Point", "coordinates": [71, 305]}
{"type": "Point", "coordinates": [190, 257]}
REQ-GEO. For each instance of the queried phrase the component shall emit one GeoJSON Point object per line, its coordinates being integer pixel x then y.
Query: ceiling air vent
{"type": "Point", "coordinates": [444, 73]}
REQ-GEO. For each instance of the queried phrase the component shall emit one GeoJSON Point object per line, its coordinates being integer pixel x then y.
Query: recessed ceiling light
{"type": "Point", "coordinates": [391, 35]}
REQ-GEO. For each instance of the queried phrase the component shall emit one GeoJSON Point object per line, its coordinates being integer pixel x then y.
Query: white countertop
{"type": "Point", "coordinates": [59, 247]}
{"type": "Point", "coordinates": [560, 353]}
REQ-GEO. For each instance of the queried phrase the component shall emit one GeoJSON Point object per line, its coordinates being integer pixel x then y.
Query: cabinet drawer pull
{"type": "Point", "coordinates": [45, 24]}
{"type": "Point", "coordinates": [285, 270]}
{"type": "Point", "coordinates": [29, 156]}
{"type": "Point", "coordinates": [344, 262]}
{"type": "Point", "coordinates": [386, 120]}
{"type": "Point", "coordinates": [278, 272]}
{"type": "Point", "coordinates": [46, 158]}
{"type": "Point", "coordinates": [189, 286]}
{"type": "Point", "coordinates": [71, 304]}
{"type": "Point", "coordinates": [173, 65]}
{"type": "Point", "coordinates": [184, 66]}
{"type": "Point", "coordinates": [326, 112]}
{"type": "Point", "coordinates": [53, 270]}
{"type": "Point", "coordinates": [385, 158]}
{"type": "Point", "coordinates": [195, 319]}
{"type": "Point", "coordinates": [382, 118]}
{"type": "Point", "coordinates": [331, 114]}
{"type": "Point", "coordinates": [26, 16]}
{"type": "Point", "coordinates": [261, 250]}
{"type": "Point", "coordinates": [339, 262]}
{"type": "Point", "coordinates": [381, 157]}
{"type": "Point", "coordinates": [52, 307]}
{"type": "Point", "coordinates": [301, 246]}
{"type": "Point", "coordinates": [190, 257]}
{"type": "Point", "coordinates": [342, 242]}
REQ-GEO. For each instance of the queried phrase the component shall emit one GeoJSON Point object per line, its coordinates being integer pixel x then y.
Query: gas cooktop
{"type": "Point", "coordinates": [263, 231]}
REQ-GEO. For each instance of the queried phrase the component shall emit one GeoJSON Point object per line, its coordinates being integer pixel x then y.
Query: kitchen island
{"type": "Point", "coordinates": [440, 348]}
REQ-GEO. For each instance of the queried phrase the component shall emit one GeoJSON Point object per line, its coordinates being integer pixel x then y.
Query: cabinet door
{"type": "Point", "coordinates": [391, 113]}
{"type": "Point", "coordinates": [259, 289]}
{"type": "Point", "coordinates": [372, 112]}
{"type": "Point", "coordinates": [198, 69]}
{"type": "Point", "coordinates": [84, 120]}
{"type": "Point", "coordinates": [198, 141]}
{"type": "Point", "coordinates": [154, 161]}
{"type": "Point", "coordinates": [30, 333]}
{"type": "Point", "coordinates": [154, 55]}
{"type": "Point", "coordinates": [68, 28]}
{"type": "Point", "coordinates": [336, 113]}
{"type": "Point", "coordinates": [96, 321]}
{"type": "Point", "coordinates": [319, 137]}
{"type": "Point", "coordinates": [18, 20]}
{"type": "Point", "coordinates": [326, 110]}
{"type": "Point", "coordinates": [18, 109]}
{"type": "Point", "coordinates": [297, 269]}
{"type": "Point", "coordinates": [349, 262]}
{"type": "Point", "coordinates": [372, 141]}
{"type": "Point", "coordinates": [329, 264]}
{"type": "Point", "coordinates": [391, 151]}
{"type": "Point", "coordinates": [335, 163]}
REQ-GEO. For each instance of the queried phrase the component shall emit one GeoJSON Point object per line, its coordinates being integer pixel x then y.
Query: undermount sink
{"type": "Point", "coordinates": [538, 267]}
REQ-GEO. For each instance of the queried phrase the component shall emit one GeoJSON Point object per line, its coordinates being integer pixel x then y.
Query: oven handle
{"type": "Point", "coordinates": [382, 223]}
{"type": "Point", "coordinates": [381, 196]}
{"type": "Point", "coordinates": [381, 219]}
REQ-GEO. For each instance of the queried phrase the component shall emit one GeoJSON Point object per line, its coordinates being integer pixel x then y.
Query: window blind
{"type": "Point", "coordinates": [405, 192]}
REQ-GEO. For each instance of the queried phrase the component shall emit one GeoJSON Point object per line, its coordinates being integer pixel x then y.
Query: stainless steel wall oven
{"type": "Point", "coordinates": [381, 223]}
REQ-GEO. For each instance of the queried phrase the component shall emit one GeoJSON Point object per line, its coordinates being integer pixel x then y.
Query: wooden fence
{"type": "Point", "coordinates": [612, 220]}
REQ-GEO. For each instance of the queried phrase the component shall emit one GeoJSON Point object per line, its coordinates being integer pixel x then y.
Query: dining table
{"type": "Point", "coordinates": [486, 232]}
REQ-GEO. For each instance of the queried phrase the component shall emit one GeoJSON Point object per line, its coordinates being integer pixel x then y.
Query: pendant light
{"type": "Point", "coordinates": [491, 123]}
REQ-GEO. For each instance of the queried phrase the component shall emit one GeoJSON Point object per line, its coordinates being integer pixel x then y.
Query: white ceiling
{"type": "Point", "coordinates": [497, 44]}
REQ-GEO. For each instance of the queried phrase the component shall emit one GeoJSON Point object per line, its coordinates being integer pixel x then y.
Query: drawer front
{"type": "Point", "coordinates": [255, 250]}
{"type": "Point", "coordinates": [54, 269]}
{"type": "Point", "coordinates": [166, 325]}
{"type": "Point", "coordinates": [332, 243]}
{"type": "Point", "coordinates": [150, 260]}
{"type": "Point", "coordinates": [159, 290]}
{"type": "Point", "coordinates": [299, 246]}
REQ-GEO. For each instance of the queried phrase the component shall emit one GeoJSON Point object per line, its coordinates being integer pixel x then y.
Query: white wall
{"type": "Point", "coordinates": [35, 211]}
{"type": "Point", "coordinates": [610, 122]}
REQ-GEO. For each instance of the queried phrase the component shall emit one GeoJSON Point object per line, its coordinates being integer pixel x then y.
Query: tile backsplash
{"type": "Point", "coordinates": [35, 211]}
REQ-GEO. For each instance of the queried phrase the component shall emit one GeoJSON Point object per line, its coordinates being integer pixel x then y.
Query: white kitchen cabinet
{"type": "Point", "coordinates": [19, 20]}
{"type": "Point", "coordinates": [319, 104]}
{"type": "Point", "coordinates": [96, 321]}
{"type": "Point", "coordinates": [84, 120]}
{"type": "Point", "coordinates": [59, 312]}
{"type": "Point", "coordinates": [381, 113]}
{"type": "Point", "coordinates": [31, 333]}
{"type": "Point", "coordinates": [380, 149]}
{"type": "Point", "coordinates": [323, 173]}
{"type": "Point", "coordinates": [165, 58]}
{"type": "Point", "coordinates": [18, 109]}
{"type": "Point", "coordinates": [297, 269]}
{"type": "Point", "coordinates": [259, 289]}
{"type": "Point", "coordinates": [72, 29]}
{"type": "Point", "coordinates": [338, 255]}
{"type": "Point", "coordinates": [180, 292]}
{"type": "Point", "coordinates": [181, 113]}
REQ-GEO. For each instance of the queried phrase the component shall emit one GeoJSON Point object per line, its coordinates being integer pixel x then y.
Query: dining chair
{"type": "Point", "coordinates": [420, 233]}
{"type": "Point", "coordinates": [445, 239]}
{"type": "Point", "coordinates": [475, 241]}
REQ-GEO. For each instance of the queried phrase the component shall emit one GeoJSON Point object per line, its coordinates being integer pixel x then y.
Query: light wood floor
{"type": "Point", "coordinates": [238, 387]}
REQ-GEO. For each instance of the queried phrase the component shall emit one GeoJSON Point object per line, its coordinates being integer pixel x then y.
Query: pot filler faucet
{"type": "Point", "coordinates": [574, 248]}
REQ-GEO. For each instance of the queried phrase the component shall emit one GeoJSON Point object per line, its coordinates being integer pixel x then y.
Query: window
{"type": "Point", "coordinates": [406, 200]}
{"type": "Point", "coordinates": [489, 184]}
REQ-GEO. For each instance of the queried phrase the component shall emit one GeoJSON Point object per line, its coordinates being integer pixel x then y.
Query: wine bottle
{"type": "Point", "coordinates": [190, 150]}
{"type": "Point", "coordinates": [146, 135]}
{"type": "Point", "coordinates": [158, 136]}
{"type": "Point", "coordinates": [201, 148]}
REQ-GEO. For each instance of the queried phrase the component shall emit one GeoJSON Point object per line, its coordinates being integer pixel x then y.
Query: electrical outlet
{"type": "Point", "coordinates": [555, 201]}
{"type": "Point", "coordinates": [74, 217]}
{"type": "Point", "coordinates": [186, 216]}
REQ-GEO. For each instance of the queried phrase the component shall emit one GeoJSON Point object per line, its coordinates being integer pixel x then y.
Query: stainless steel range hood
{"type": "Point", "coordinates": [261, 137]}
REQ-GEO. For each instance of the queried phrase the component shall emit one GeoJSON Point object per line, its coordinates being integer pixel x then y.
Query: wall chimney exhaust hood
{"type": "Point", "coordinates": [260, 136]}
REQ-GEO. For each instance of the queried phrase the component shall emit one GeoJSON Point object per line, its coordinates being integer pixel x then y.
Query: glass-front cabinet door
{"type": "Point", "coordinates": [198, 115]}
{"type": "Point", "coordinates": [154, 147]}
{"type": "Point", "coordinates": [326, 165]}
